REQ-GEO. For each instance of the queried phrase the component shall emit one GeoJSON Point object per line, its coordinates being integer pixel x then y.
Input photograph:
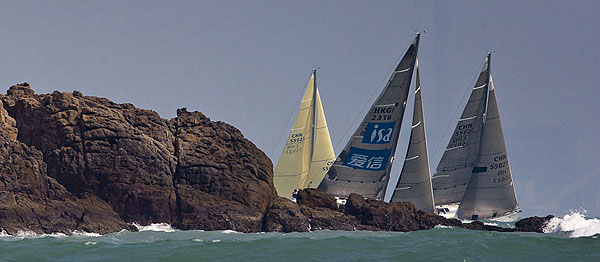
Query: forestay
{"type": "Point", "coordinates": [364, 165]}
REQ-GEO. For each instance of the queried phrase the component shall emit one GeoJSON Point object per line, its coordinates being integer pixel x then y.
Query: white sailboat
{"type": "Point", "coordinates": [308, 152]}
{"type": "Point", "coordinates": [473, 179]}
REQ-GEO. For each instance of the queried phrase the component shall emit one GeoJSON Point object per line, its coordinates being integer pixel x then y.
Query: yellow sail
{"type": "Point", "coordinates": [323, 155]}
{"type": "Point", "coordinates": [292, 169]}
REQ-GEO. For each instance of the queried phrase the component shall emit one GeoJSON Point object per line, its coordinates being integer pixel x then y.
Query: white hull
{"type": "Point", "coordinates": [449, 211]}
{"type": "Point", "coordinates": [508, 217]}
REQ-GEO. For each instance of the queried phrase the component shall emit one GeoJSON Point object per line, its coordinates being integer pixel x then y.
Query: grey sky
{"type": "Point", "coordinates": [247, 63]}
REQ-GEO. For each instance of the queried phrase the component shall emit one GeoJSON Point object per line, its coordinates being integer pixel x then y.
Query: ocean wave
{"type": "Point", "coordinates": [162, 227]}
{"type": "Point", "coordinates": [576, 223]}
{"type": "Point", "coordinates": [229, 231]}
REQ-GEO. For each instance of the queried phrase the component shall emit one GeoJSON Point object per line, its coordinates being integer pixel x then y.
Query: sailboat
{"type": "Point", "coordinates": [308, 152]}
{"type": "Point", "coordinates": [473, 177]}
{"type": "Point", "coordinates": [364, 165]}
{"type": "Point", "coordinates": [414, 183]}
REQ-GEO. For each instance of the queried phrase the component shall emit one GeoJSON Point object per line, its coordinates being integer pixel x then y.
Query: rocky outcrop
{"type": "Point", "coordinates": [286, 216]}
{"type": "Point", "coordinates": [32, 201]}
{"type": "Point", "coordinates": [222, 180]}
{"type": "Point", "coordinates": [73, 162]}
{"type": "Point", "coordinates": [533, 224]}
{"type": "Point", "coordinates": [188, 171]}
{"type": "Point", "coordinates": [315, 198]}
{"type": "Point", "coordinates": [369, 214]}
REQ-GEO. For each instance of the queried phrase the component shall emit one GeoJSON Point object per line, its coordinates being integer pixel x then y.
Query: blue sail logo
{"type": "Point", "coordinates": [373, 160]}
{"type": "Point", "coordinates": [379, 133]}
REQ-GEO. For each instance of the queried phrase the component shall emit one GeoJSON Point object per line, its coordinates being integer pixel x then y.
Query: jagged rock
{"type": "Point", "coordinates": [533, 224]}
{"type": "Point", "coordinates": [20, 89]}
{"type": "Point", "coordinates": [312, 197]}
{"type": "Point", "coordinates": [32, 201]}
{"type": "Point", "coordinates": [7, 124]}
{"type": "Point", "coordinates": [119, 153]}
{"type": "Point", "coordinates": [189, 171]}
{"type": "Point", "coordinates": [285, 216]}
{"type": "Point", "coordinates": [217, 168]}
{"type": "Point", "coordinates": [396, 216]}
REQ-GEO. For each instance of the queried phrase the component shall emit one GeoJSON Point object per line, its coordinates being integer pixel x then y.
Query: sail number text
{"type": "Point", "coordinates": [296, 139]}
{"type": "Point", "coordinates": [328, 165]}
{"type": "Point", "coordinates": [382, 113]}
{"type": "Point", "coordinates": [460, 137]}
{"type": "Point", "coordinates": [500, 164]}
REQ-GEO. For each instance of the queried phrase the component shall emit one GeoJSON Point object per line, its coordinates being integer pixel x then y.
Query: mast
{"type": "Point", "coordinates": [314, 115]}
{"type": "Point", "coordinates": [487, 94]}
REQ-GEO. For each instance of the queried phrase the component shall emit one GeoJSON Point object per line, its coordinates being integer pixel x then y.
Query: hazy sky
{"type": "Point", "coordinates": [247, 63]}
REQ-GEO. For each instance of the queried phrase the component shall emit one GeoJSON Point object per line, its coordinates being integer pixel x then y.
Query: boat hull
{"type": "Point", "coordinates": [449, 211]}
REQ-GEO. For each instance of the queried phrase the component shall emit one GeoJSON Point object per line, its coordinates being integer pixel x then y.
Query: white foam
{"type": "Point", "coordinates": [576, 223]}
{"type": "Point", "coordinates": [162, 227]}
{"type": "Point", "coordinates": [216, 240]}
{"type": "Point", "coordinates": [86, 234]}
{"type": "Point", "coordinates": [90, 243]}
{"type": "Point", "coordinates": [442, 226]}
{"type": "Point", "coordinates": [198, 240]}
{"type": "Point", "coordinates": [3, 233]}
{"type": "Point", "coordinates": [21, 234]}
{"type": "Point", "coordinates": [229, 231]}
{"type": "Point", "coordinates": [491, 224]}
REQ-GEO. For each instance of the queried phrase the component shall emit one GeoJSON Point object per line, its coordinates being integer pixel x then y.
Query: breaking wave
{"type": "Point", "coordinates": [576, 223]}
{"type": "Point", "coordinates": [163, 227]}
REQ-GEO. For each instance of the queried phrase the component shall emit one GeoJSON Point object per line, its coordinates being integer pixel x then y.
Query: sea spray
{"type": "Point", "coordinates": [574, 222]}
{"type": "Point", "coordinates": [161, 227]}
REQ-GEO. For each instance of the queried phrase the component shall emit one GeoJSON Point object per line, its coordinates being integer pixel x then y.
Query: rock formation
{"type": "Point", "coordinates": [72, 162]}
{"type": "Point", "coordinates": [190, 172]}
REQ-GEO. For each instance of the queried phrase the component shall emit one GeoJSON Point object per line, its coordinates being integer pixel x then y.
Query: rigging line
{"type": "Point", "coordinates": [376, 91]}
{"type": "Point", "coordinates": [291, 115]}
{"type": "Point", "coordinates": [459, 106]}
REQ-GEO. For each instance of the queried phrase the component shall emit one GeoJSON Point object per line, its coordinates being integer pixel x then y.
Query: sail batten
{"type": "Point", "coordinates": [365, 163]}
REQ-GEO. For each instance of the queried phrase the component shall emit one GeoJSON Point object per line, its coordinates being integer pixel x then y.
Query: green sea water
{"type": "Point", "coordinates": [439, 244]}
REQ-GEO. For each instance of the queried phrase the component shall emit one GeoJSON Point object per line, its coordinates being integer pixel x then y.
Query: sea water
{"type": "Point", "coordinates": [572, 237]}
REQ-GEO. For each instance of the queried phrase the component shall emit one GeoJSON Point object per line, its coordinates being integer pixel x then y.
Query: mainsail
{"type": "Point", "coordinates": [414, 184]}
{"type": "Point", "coordinates": [364, 165]}
{"type": "Point", "coordinates": [306, 157]}
{"type": "Point", "coordinates": [452, 174]}
{"type": "Point", "coordinates": [490, 192]}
